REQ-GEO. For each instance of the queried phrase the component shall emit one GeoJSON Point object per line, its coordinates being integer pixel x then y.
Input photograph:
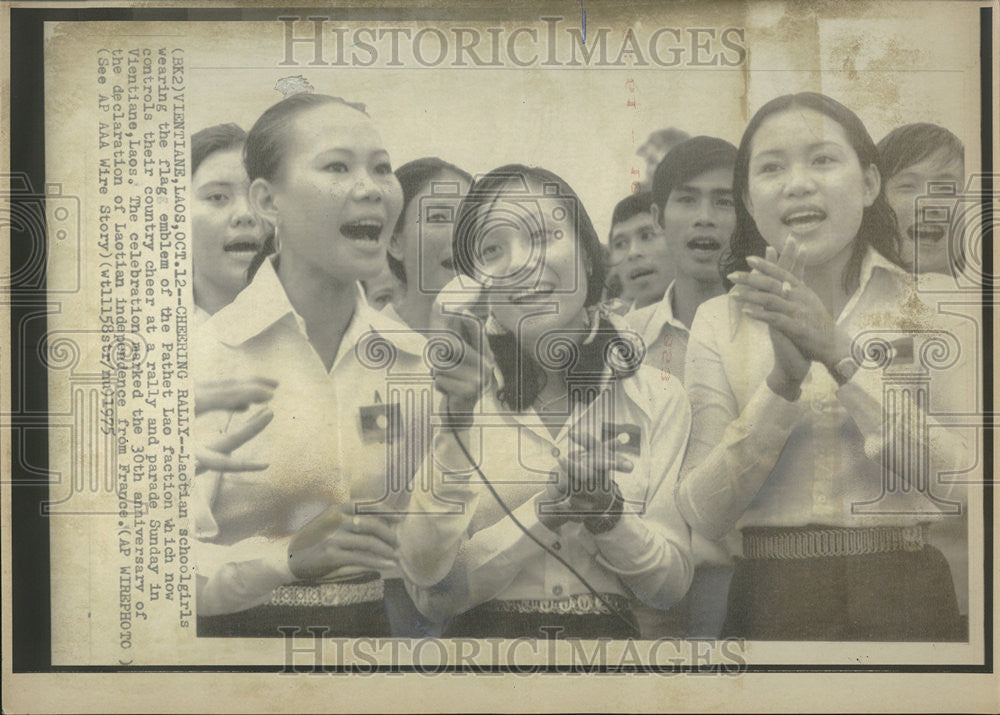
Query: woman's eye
{"type": "Point", "coordinates": [490, 252]}
{"type": "Point", "coordinates": [824, 159]}
{"type": "Point", "coordinates": [336, 167]}
{"type": "Point", "coordinates": [620, 245]}
{"type": "Point", "coordinates": [725, 203]}
{"type": "Point", "coordinates": [769, 168]}
{"type": "Point", "coordinates": [217, 198]}
{"type": "Point", "coordinates": [646, 236]}
{"type": "Point", "coordinates": [383, 169]}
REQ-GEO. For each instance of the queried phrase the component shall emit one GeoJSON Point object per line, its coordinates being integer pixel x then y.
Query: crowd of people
{"type": "Point", "coordinates": [432, 404]}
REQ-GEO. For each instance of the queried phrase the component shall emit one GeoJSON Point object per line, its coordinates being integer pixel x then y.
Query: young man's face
{"type": "Point", "coordinates": [698, 219]}
{"type": "Point", "coordinates": [924, 246]}
{"type": "Point", "coordinates": [640, 258]}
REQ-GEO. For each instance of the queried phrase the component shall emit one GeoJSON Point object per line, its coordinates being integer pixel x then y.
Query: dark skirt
{"type": "Point", "coordinates": [891, 596]}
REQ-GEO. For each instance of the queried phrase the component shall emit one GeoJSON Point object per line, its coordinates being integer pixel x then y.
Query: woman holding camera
{"type": "Point", "coordinates": [550, 504]}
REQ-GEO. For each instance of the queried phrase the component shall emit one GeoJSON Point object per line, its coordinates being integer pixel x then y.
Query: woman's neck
{"type": "Point", "coordinates": [827, 281]}
{"type": "Point", "coordinates": [689, 293]}
{"type": "Point", "coordinates": [210, 297]}
{"type": "Point", "coordinates": [325, 304]}
{"type": "Point", "coordinates": [415, 307]}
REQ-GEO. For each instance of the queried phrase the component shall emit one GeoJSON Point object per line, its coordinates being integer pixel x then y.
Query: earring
{"type": "Point", "coordinates": [493, 326]}
{"type": "Point", "coordinates": [275, 242]}
{"type": "Point", "coordinates": [593, 315]}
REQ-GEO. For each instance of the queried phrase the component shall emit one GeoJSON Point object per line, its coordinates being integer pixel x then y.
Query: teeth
{"type": "Point", "coordinates": [804, 217]}
{"type": "Point", "coordinates": [927, 233]}
{"type": "Point", "coordinates": [242, 247]}
{"type": "Point", "coordinates": [704, 244]}
{"type": "Point", "coordinates": [364, 229]}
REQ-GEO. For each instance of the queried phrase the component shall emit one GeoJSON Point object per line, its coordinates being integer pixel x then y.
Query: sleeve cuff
{"type": "Point", "coordinates": [771, 412]}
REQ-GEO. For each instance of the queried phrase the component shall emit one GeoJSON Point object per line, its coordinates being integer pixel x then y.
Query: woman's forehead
{"type": "Point", "coordinates": [797, 127]}
{"type": "Point", "coordinates": [331, 126]}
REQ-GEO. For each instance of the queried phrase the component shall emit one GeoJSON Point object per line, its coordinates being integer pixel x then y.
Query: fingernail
{"type": "Point", "coordinates": [753, 260]}
{"type": "Point", "coordinates": [734, 276]}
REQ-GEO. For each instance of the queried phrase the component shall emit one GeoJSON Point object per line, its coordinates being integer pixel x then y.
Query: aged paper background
{"type": "Point", "coordinates": [892, 63]}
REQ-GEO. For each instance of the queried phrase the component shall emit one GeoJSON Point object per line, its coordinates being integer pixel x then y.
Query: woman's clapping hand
{"type": "Point", "coordinates": [337, 538]}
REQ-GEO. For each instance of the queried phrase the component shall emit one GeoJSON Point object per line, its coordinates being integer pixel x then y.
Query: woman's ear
{"type": "Point", "coordinates": [872, 183]}
{"type": "Point", "coordinates": [395, 247]}
{"type": "Point", "coordinates": [655, 212]}
{"type": "Point", "coordinates": [261, 197]}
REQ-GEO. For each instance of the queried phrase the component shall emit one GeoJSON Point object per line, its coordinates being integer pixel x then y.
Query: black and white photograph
{"type": "Point", "coordinates": [399, 343]}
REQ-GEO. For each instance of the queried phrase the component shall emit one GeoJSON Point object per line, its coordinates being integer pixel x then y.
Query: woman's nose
{"type": "Point", "coordinates": [242, 214]}
{"type": "Point", "coordinates": [799, 181]}
{"type": "Point", "coordinates": [366, 188]}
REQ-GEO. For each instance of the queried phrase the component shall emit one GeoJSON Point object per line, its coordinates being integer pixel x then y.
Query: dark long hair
{"type": "Point", "coordinates": [266, 145]}
{"type": "Point", "coordinates": [878, 222]}
{"type": "Point", "coordinates": [523, 376]}
{"type": "Point", "coordinates": [413, 177]}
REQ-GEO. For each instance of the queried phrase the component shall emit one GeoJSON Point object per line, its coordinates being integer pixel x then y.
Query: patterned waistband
{"type": "Point", "coordinates": [580, 605]}
{"type": "Point", "coordinates": [328, 594]}
{"type": "Point", "coordinates": [808, 543]}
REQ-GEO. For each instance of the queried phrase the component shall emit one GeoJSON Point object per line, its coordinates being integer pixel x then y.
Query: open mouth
{"type": "Point", "coordinates": [804, 219]}
{"type": "Point", "coordinates": [639, 273]}
{"type": "Point", "coordinates": [925, 233]}
{"type": "Point", "coordinates": [539, 293]}
{"type": "Point", "coordinates": [704, 243]}
{"type": "Point", "coordinates": [362, 230]}
{"type": "Point", "coordinates": [242, 245]}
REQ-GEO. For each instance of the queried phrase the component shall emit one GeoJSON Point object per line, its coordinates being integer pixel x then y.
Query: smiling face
{"type": "Point", "coordinates": [383, 289]}
{"type": "Point", "coordinates": [335, 199]}
{"type": "Point", "coordinates": [925, 244]}
{"type": "Point", "coordinates": [226, 232]}
{"type": "Point", "coordinates": [424, 243]}
{"type": "Point", "coordinates": [535, 266]}
{"type": "Point", "coordinates": [697, 220]}
{"type": "Point", "coordinates": [641, 259]}
{"type": "Point", "coordinates": [805, 180]}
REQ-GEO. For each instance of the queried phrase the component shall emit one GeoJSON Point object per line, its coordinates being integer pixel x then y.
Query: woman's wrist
{"type": "Point", "coordinates": [780, 384]}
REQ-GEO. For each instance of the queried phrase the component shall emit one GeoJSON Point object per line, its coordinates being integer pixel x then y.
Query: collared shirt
{"type": "Point", "coordinates": [329, 442]}
{"type": "Point", "coordinates": [756, 459]}
{"type": "Point", "coordinates": [460, 548]}
{"type": "Point", "coordinates": [666, 341]}
{"type": "Point", "coordinates": [665, 336]}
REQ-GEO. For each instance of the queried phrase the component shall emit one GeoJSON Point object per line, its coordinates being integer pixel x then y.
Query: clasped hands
{"type": "Point", "coordinates": [801, 328]}
{"type": "Point", "coordinates": [583, 485]}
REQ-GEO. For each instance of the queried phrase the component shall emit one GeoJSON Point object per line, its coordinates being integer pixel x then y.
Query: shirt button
{"type": "Point", "coordinates": [821, 499]}
{"type": "Point", "coordinates": [555, 452]}
{"type": "Point", "coordinates": [556, 546]}
{"type": "Point", "coordinates": [557, 590]}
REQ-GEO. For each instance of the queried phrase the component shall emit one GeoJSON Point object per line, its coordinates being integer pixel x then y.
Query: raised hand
{"type": "Point", "coordinates": [584, 485]}
{"type": "Point", "coordinates": [235, 395]}
{"type": "Point", "coordinates": [338, 538]}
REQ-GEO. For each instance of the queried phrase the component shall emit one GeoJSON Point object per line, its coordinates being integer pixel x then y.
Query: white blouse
{"type": "Point", "coordinates": [461, 549]}
{"type": "Point", "coordinates": [846, 456]}
{"type": "Point", "coordinates": [332, 440]}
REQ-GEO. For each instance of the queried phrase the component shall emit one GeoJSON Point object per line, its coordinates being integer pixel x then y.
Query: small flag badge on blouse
{"type": "Point", "coordinates": [625, 437]}
{"type": "Point", "coordinates": [380, 422]}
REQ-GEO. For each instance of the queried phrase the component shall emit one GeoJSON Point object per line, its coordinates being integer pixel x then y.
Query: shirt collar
{"type": "Point", "coordinates": [663, 314]}
{"type": "Point", "coordinates": [264, 303]}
